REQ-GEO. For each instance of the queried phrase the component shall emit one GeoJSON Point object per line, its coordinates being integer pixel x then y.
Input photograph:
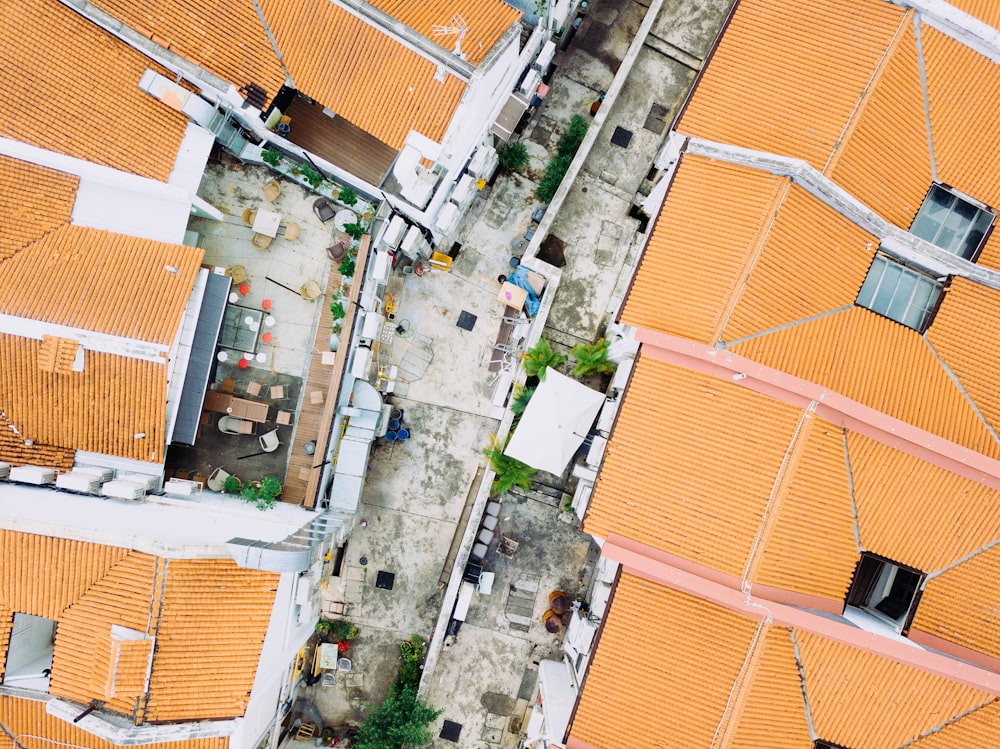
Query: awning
{"type": "Point", "coordinates": [509, 116]}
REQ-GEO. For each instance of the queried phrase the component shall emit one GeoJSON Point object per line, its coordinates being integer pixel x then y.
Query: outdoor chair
{"type": "Point", "coordinates": [323, 209]}
{"type": "Point", "coordinates": [249, 216]}
{"type": "Point", "coordinates": [292, 230]}
{"type": "Point", "coordinates": [253, 389]}
{"type": "Point", "coordinates": [217, 479]}
{"type": "Point", "coordinates": [269, 441]}
{"type": "Point", "coordinates": [271, 190]}
{"type": "Point", "coordinates": [261, 241]}
{"type": "Point", "coordinates": [238, 273]}
{"type": "Point", "coordinates": [233, 425]}
{"type": "Point", "coordinates": [227, 386]}
{"type": "Point", "coordinates": [310, 290]}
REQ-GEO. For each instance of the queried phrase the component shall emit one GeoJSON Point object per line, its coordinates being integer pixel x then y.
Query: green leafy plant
{"type": "Point", "coordinates": [347, 196]}
{"type": "Point", "coordinates": [513, 157]}
{"type": "Point", "coordinates": [412, 652]}
{"type": "Point", "coordinates": [400, 722]}
{"type": "Point", "coordinates": [337, 629]}
{"type": "Point", "coordinates": [271, 157]}
{"type": "Point", "coordinates": [509, 472]}
{"type": "Point", "coordinates": [347, 266]}
{"type": "Point", "coordinates": [232, 485]}
{"type": "Point", "coordinates": [592, 358]}
{"type": "Point", "coordinates": [337, 310]}
{"type": "Point", "coordinates": [354, 231]}
{"type": "Point", "coordinates": [270, 486]}
{"type": "Point", "coordinates": [252, 494]}
{"type": "Point", "coordinates": [311, 176]}
{"type": "Point", "coordinates": [576, 131]}
{"type": "Point", "coordinates": [520, 400]}
{"type": "Point", "coordinates": [555, 170]}
{"type": "Point", "coordinates": [541, 356]}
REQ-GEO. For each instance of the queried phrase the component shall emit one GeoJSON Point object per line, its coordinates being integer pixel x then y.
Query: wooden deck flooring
{"type": "Point", "coordinates": [339, 142]}
{"type": "Point", "coordinates": [314, 419]}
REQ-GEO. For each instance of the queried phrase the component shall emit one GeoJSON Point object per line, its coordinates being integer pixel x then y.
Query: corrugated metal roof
{"type": "Point", "coordinates": [861, 700]}
{"type": "Point", "coordinates": [87, 104]}
{"type": "Point", "coordinates": [487, 20]}
{"type": "Point", "coordinates": [962, 605]}
{"type": "Point", "coordinates": [361, 73]}
{"type": "Point", "coordinates": [225, 37]}
{"type": "Point", "coordinates": [27, 718]}
{"type": "Point", "coordinates": [794, 71]}
{"type": "Point", "coordinates": [885, 161]}
{"type": "Point", "coordinates": [693, 463]}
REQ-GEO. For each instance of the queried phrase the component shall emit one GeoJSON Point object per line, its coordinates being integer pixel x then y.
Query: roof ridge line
{"type": "Point", "coordinates": [864, 98]}
{"type": "Point", "coordinates": [922, 67]}
{"type": "Point", "coordinates": [802, 683]}
{"type": "Point", "coordinates": [850, 482]}
{"type": "Point", "coordinates": [958, 25]}
{"type": "Point", "coordinates": [958, 383]}
{"type": "Point", "coordinates": [779, 489]}
{"type": "Point", "coordinates": [963, 559]}
{"type": "Point", "coordinates": [790, 324]}
{"type": "Point", "coordinates": [752, 259]}
{"type": "Point", "coordinates": [738, 691]}
{"type": "Point", "coordinates": [900, 243]}
{"type": "Point", "coordinates": [954, 719]}
{"type": "Point", "coordinates": [90, 340]}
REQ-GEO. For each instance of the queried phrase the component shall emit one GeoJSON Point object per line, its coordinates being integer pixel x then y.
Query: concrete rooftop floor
{"type": "Point", "coordinates": [417, 492]}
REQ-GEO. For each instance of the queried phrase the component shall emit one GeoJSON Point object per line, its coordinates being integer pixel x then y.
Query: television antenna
{"type": "Point", "coordinates": [458, 26]}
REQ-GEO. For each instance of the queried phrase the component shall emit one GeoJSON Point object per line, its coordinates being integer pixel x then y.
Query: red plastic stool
{"type": "Point", "coordinates": [244, 288]}
{"type": "Point", "coordinates": [244, 364]}
{"type": "Point", "coordinates": [266, 304]}
{"type": "Point", "coordinates": [266, 338]}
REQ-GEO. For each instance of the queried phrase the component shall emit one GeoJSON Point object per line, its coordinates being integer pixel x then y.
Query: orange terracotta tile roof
{"type": "Point", "coordinates": [360, 73]}
{"type": "Point", "coordinates": [216, 613]}
{"type": "Point", "coordinates": [209, 620]}
{"type": "Point", "coordinates": [986, 11]}
{"type": "Point", "coordinates": [671, 670]}
{"type": "Point", "coordinates": [692, 465]}
{"type": "Point", "coordinates": [101, 281]}
{"type": "Point", "coordinates": [777, 284]}
{"type": "Point", "coordinates": [225, 37]}
{"type": "Point", "coordinates": [14, 451]}
{"type": "Point", "coordinates": [100, 409]}
{"type": "Point", "coordinates": [27, 718]}
{"type": "Point", "coordinates": [88, 106]}
{"type": "Point", "coordinates": [34, 200]}
{"type": "Point", "coordinates": [487, 21]}
{"type": "Point", "coordinates": [665, 667]}
{"type": "Point", "coordinates": [797, 71]}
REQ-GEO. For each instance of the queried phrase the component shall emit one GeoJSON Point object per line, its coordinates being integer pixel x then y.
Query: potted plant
{"type": "Point", "coordinates": [347, 267]}
{"type": "Point", "coordinates": [271, 157]}
{"type": "Point", "coordinates": [347, 196]}
{"type": "Point", "coordinates": [355, 230]}
{"type": "Point", "coordinates": [232, 485]}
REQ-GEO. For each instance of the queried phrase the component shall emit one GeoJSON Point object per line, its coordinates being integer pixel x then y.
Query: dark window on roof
{"type": "Point", "coordinates": [952, 221]}
{"type": "Point", "coordinates": [29, 652]}
{"type": "Point", "coordinates": [820, 744]}
{"type": "Point", "coordinates": [888, 590]}
{"type": "Point", "coordinates": [900, 293]}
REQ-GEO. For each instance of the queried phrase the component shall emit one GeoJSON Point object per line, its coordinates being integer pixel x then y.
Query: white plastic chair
{"type": "Point", "coordinates": [269, 442]}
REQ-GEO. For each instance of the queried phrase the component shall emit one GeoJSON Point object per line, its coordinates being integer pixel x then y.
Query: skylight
{"type": "Point", "coordinates": [952, 221]}
{"type": "Point", "coordinates": [900, 293]}
{"type": "Point", "coordinates": [885, 589]}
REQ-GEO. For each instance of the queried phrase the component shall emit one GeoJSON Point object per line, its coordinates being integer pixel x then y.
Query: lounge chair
{"type": "Point", "coordinates": [271, 190]}
{"type": "Point", "coordinates": [292, 231]}
{"type": "Point", "coordinates": [233, 425]}
{"type": "Point", "coordinates": [217, 480]}
{"type": "Point", "coordinates": [269, 441]}
{"type": "Point", "coordinates": [323, 209]}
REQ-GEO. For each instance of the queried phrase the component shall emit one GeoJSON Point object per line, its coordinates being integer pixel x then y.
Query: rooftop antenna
{"type": "Point", "coordinates": [459, 27]}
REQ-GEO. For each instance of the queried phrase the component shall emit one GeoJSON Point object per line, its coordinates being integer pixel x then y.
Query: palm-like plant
{"type": "Point", "coordinates": [520, 401]}
{"type": "Point", "coordinates": [509, 472]}
{"type": "Point", "coordinates": [592, 358]}
{"type": "Point", "coordinates": [541, 356]}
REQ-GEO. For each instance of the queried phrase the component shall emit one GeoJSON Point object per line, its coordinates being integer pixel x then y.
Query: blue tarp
{"type": "Point", "coordinates": [519, 277]}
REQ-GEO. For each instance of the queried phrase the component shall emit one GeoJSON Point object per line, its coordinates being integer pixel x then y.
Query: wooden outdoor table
{"type": "Point", "coordinates": [238, 407]}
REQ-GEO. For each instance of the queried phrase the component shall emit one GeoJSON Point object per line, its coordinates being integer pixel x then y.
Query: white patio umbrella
{"type": "Point", "coordinates": [555, 423]}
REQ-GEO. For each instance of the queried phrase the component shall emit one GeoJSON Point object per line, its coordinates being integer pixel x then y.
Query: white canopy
{"type": "Point", "coordinates": [555, 423]}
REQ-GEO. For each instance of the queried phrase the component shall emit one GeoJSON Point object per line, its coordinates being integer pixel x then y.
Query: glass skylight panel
{"type": "Point", "coordinates": [952, 222]}
{"type": "Point", "coordinates": [900, 293]}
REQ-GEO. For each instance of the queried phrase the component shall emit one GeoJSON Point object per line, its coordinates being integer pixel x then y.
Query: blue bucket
{"type": "Point", "coordinates": [390, 436]}
{"type": "Point", "coordinates": [403, 434]}
{"type": "Point", "coordinates": [394, 425]}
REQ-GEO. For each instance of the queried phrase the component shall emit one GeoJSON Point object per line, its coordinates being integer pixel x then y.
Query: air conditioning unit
{"type": "Point", "coordinates": [142, 479]}
{"type": "Point", "coordinates": [120, 489]}
{"type": "Point", "coordinates": [101, 473]}
{"type": "Point", "coordinates": [37, 475]}
{"type": "Point", "coordinates": [394, 232]}
{"type": "Point", "coordinates": [4, 469]}
{"type": "Point", "coordinates": [182, 487]}
{"type": "Point", "coordinates": [78, 482]}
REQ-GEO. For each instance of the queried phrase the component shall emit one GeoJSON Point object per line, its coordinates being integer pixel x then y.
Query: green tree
{"type": "Point", "coordinates": [520, 401]}
{"type": "Point", "coordinates": [541, 356]}
{"type": "Point", "coordinates": [576, 130]}
{"type": "Point", "coordinates": [555, 170]}
{"type": "Point", "coordinates": [592, 358]}
{"type": "Point", "coordinates": [513, 157]}
{"type": "Point", "coordinates": [509, 471]}
{"type": "Point", "coordinates": [398, 723]}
